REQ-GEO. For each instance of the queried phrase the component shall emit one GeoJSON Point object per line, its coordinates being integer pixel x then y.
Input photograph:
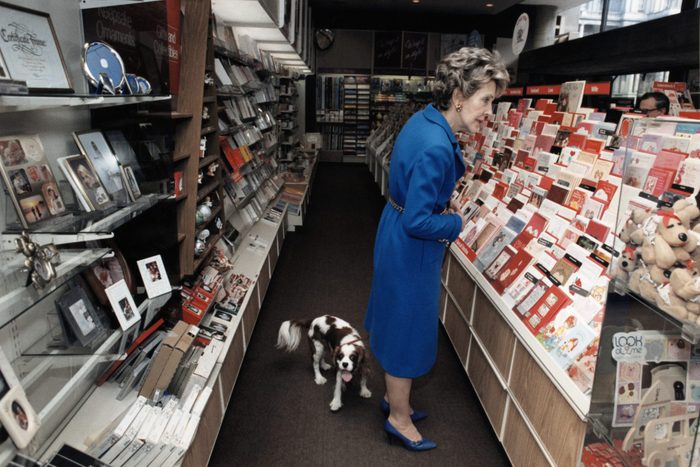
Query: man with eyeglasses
{"type": "Point", "coordinates": [654, 104]}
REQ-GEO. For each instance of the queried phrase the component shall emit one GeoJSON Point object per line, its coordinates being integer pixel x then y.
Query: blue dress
{"type": "Point", "coordinates": [402, 314]}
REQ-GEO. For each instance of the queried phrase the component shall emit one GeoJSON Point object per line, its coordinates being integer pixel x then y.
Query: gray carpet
{"type": "Point", "coordinates": [278, 416]}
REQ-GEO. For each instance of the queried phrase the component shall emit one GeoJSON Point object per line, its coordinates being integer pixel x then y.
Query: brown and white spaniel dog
{"type": "Point", "coordinates": [341, 340]}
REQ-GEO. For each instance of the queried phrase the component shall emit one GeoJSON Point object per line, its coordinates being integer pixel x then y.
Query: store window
{"type": "Point", "coordinates": [586, 18]}
{"type": "Point", "coordinates": [628, 12]}
{"type": "Point", "coordinates": [633, 85]}
{"type": "Point", "coordinates": [582, 20]}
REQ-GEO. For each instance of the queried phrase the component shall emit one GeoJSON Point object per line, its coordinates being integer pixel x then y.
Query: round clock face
{"type": "Point", "coordinates": [44, 269]}
{"type": "Point", "coordinates": [324, 38]}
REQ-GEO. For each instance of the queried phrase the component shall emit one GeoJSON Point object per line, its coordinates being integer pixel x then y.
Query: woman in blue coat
{"type": "Point", "coordinates": [415, 227]}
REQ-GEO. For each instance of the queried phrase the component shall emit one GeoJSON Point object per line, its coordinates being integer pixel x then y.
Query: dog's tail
{"type": "Point", "coordinates": [289, 335]}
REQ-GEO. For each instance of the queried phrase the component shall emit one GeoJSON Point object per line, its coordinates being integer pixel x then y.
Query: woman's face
{"type": "Point", "coordinates": [477, 108]}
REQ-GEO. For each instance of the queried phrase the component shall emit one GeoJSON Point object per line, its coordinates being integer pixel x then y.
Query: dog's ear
{"type": "Point", "coordinates": [334, 357]}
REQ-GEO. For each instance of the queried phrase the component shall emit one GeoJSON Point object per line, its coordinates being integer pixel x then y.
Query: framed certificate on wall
{"type": "Point", "coordinates": [30, 48]}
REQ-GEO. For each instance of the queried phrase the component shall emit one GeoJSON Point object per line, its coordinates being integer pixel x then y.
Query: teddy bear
{"type": "Point", "coordinates": [670, 234]}
{"type": "Point", "coordinates": [687, 211]}
{"type": "Point", "coordinates": [685, 283]}
{"type": "Point", "coordinates": [625, 264]}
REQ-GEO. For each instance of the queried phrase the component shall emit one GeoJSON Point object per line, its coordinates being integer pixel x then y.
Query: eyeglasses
{"type": "Point", "coordinates": [648, 111]}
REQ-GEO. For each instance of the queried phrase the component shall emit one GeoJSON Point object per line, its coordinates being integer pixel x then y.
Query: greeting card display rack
{"type": "Point", "coordinates": [592, 419]}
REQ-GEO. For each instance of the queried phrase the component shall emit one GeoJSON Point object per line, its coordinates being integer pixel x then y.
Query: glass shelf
{"type": "Point", "coordinates": [16, 296]}
{"type": "Point", "coordinates": [93, 222]}
{"type": "Point", "coordinates": [21, 103]}
{"type": "Point", "coordinates": [689, 331]}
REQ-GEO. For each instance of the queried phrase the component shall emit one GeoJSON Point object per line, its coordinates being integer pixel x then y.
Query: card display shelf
{"type": "Point", "coordinates": [578, 401]}
{"type": "Point", "coordinates": [16, 296]}
{"type": "Point", "coordinates": [22, 103]}
{"type": "Point", "coordinates": [77, 395]}
{"type": "Point", "coordinates": [244, 201]}
{"type": "Point", "coordinates": [101, 407]}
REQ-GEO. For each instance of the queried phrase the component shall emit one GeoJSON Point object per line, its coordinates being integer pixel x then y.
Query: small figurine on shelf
{"type": "Point", "coordinates": [211, 169]}
{"type": "Point", "coordinates": [203, 211]}
{"type": "Point", "coordinates": [202, 147]}
{"type": "Point", "coordinates": [208, 79]}
{"type": "Point", "coordinates": [200, 243]}
{"type": "Point", "coordinates": [205, 113]}
{"type": "Point", "coordinates": [40, 260]}
{"type": "Point", "coordinates": [200, 177]}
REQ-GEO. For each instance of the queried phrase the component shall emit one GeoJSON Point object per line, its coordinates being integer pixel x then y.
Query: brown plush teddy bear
{"type": "Point", "coordinates": [671, 233]}
{"type": "Point", "coordinates": [626, 264]}
{"type": "Point", "coordinates": [687, 211]}
{"type": "Point", "coordinates": [685, 283]}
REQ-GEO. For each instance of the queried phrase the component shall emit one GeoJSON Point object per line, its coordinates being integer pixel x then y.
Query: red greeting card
{"type": "Point", "coordinates": [545, 309]}
{"type": "Point", "coordinates": [593, 145]}
{"type": "Point", "coordinates": [577, 140]}
{"type": "Point", "coordinates": [598, 230]}
{"type": "Point", "coordinates": [658, 181]}
{"type": "Point", "coordinates": [578, 199]}
{"type": "Point", "coordinates": [605, 191]}
{"type": "Point", "coordinates": [511, 270]}
{"type": "Point", "coordinates": [521, 157]}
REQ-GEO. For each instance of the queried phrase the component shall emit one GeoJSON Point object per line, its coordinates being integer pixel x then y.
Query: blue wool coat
{"type": "Point", "coordinates": [402, 314]}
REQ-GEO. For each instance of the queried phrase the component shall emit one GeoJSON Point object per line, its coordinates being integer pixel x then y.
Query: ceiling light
{"type": "Point", "coordinates": [415, 1]}
{"type": "Point", "coordinates": [489, 5]}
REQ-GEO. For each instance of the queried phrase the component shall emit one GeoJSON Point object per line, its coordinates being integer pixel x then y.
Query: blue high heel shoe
{"type": "Point", "coordinates": [416, 416]}
{"type": "Point", "coordinates": [423, 445]}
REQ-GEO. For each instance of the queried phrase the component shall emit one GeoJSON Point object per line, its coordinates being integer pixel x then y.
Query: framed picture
{"type": "Point", "coordinates": [107, 272]}
{"type": "Point", "coordinates": [79, 313]}
{"type": "Point", "coordinates": [122, 149]}
{"type": "Point", "coordinates": [93, 144]}
{"type": "Point", "coordinates": [123, 304]}
{"type": "Point", "coordinates": [4, 72]}
{"type": "Point", "coordinates": [31, 51]}
{"type": "Point", "coordinates": [154, 306]}
{"type": "Point", "coordinates": [87, 185]}
{"type": "Point", "coordinates": [154, 276]}
{"type": "Point", "coordinates": [29, 179]}
{"type": "Point", "coordinates": [16, 413]}
{"type": "Point", "coordinates": [132, 186]}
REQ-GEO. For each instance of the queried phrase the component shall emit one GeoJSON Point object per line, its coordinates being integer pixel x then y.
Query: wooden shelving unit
{"type": "Point", "coordinates": [195, 33]}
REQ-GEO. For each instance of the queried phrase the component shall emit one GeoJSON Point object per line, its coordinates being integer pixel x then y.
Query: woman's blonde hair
{"type": "Point", "coordinates": [468, 69]}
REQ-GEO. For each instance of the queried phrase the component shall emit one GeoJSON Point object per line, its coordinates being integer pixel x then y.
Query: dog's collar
{"type": "Point", "coordinates": [359, 339]}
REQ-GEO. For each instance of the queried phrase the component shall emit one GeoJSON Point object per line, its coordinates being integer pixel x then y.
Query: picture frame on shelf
{"type": "Point", "coordinates": [154, 276]}
{"type": "Point", "coordinates": [80, 315]}
{"type": "Point", "coordinates": [16, 413]}
{"type": "Point", "coordinates": [130, 183]}
{"type": "Point", "coordinates": [107, 272]}
{"type": "Point", "coordinates": [29, 179]}
{"type": "Point", "coordinates": [31, 51]}
{"type": "Point", "coordinates": [123, 304]}
{"type": "Point", "coordinates": [94, 145]}
{"type": "Point", "coordinates": [4, 71]}
{"type": "Point", "coordinates": [123, 150]}
{"type": "Point", "coordinates": [154, 306]}
{"type": "Point", "coordinates": [84, 180]}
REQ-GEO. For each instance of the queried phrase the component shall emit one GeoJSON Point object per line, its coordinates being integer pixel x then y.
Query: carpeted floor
{"type": "Point", "coordinates": [278, 416]}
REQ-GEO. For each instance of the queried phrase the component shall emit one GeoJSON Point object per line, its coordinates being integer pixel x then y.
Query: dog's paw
{"type": "Point", "coordinates": [325, 365]}
{"type": "Point", "coordinates": [335, 405]}
{"type": "Point", "coordinates": [366, 393]}
{"type": "Point", "coordinates": [320, 380]}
